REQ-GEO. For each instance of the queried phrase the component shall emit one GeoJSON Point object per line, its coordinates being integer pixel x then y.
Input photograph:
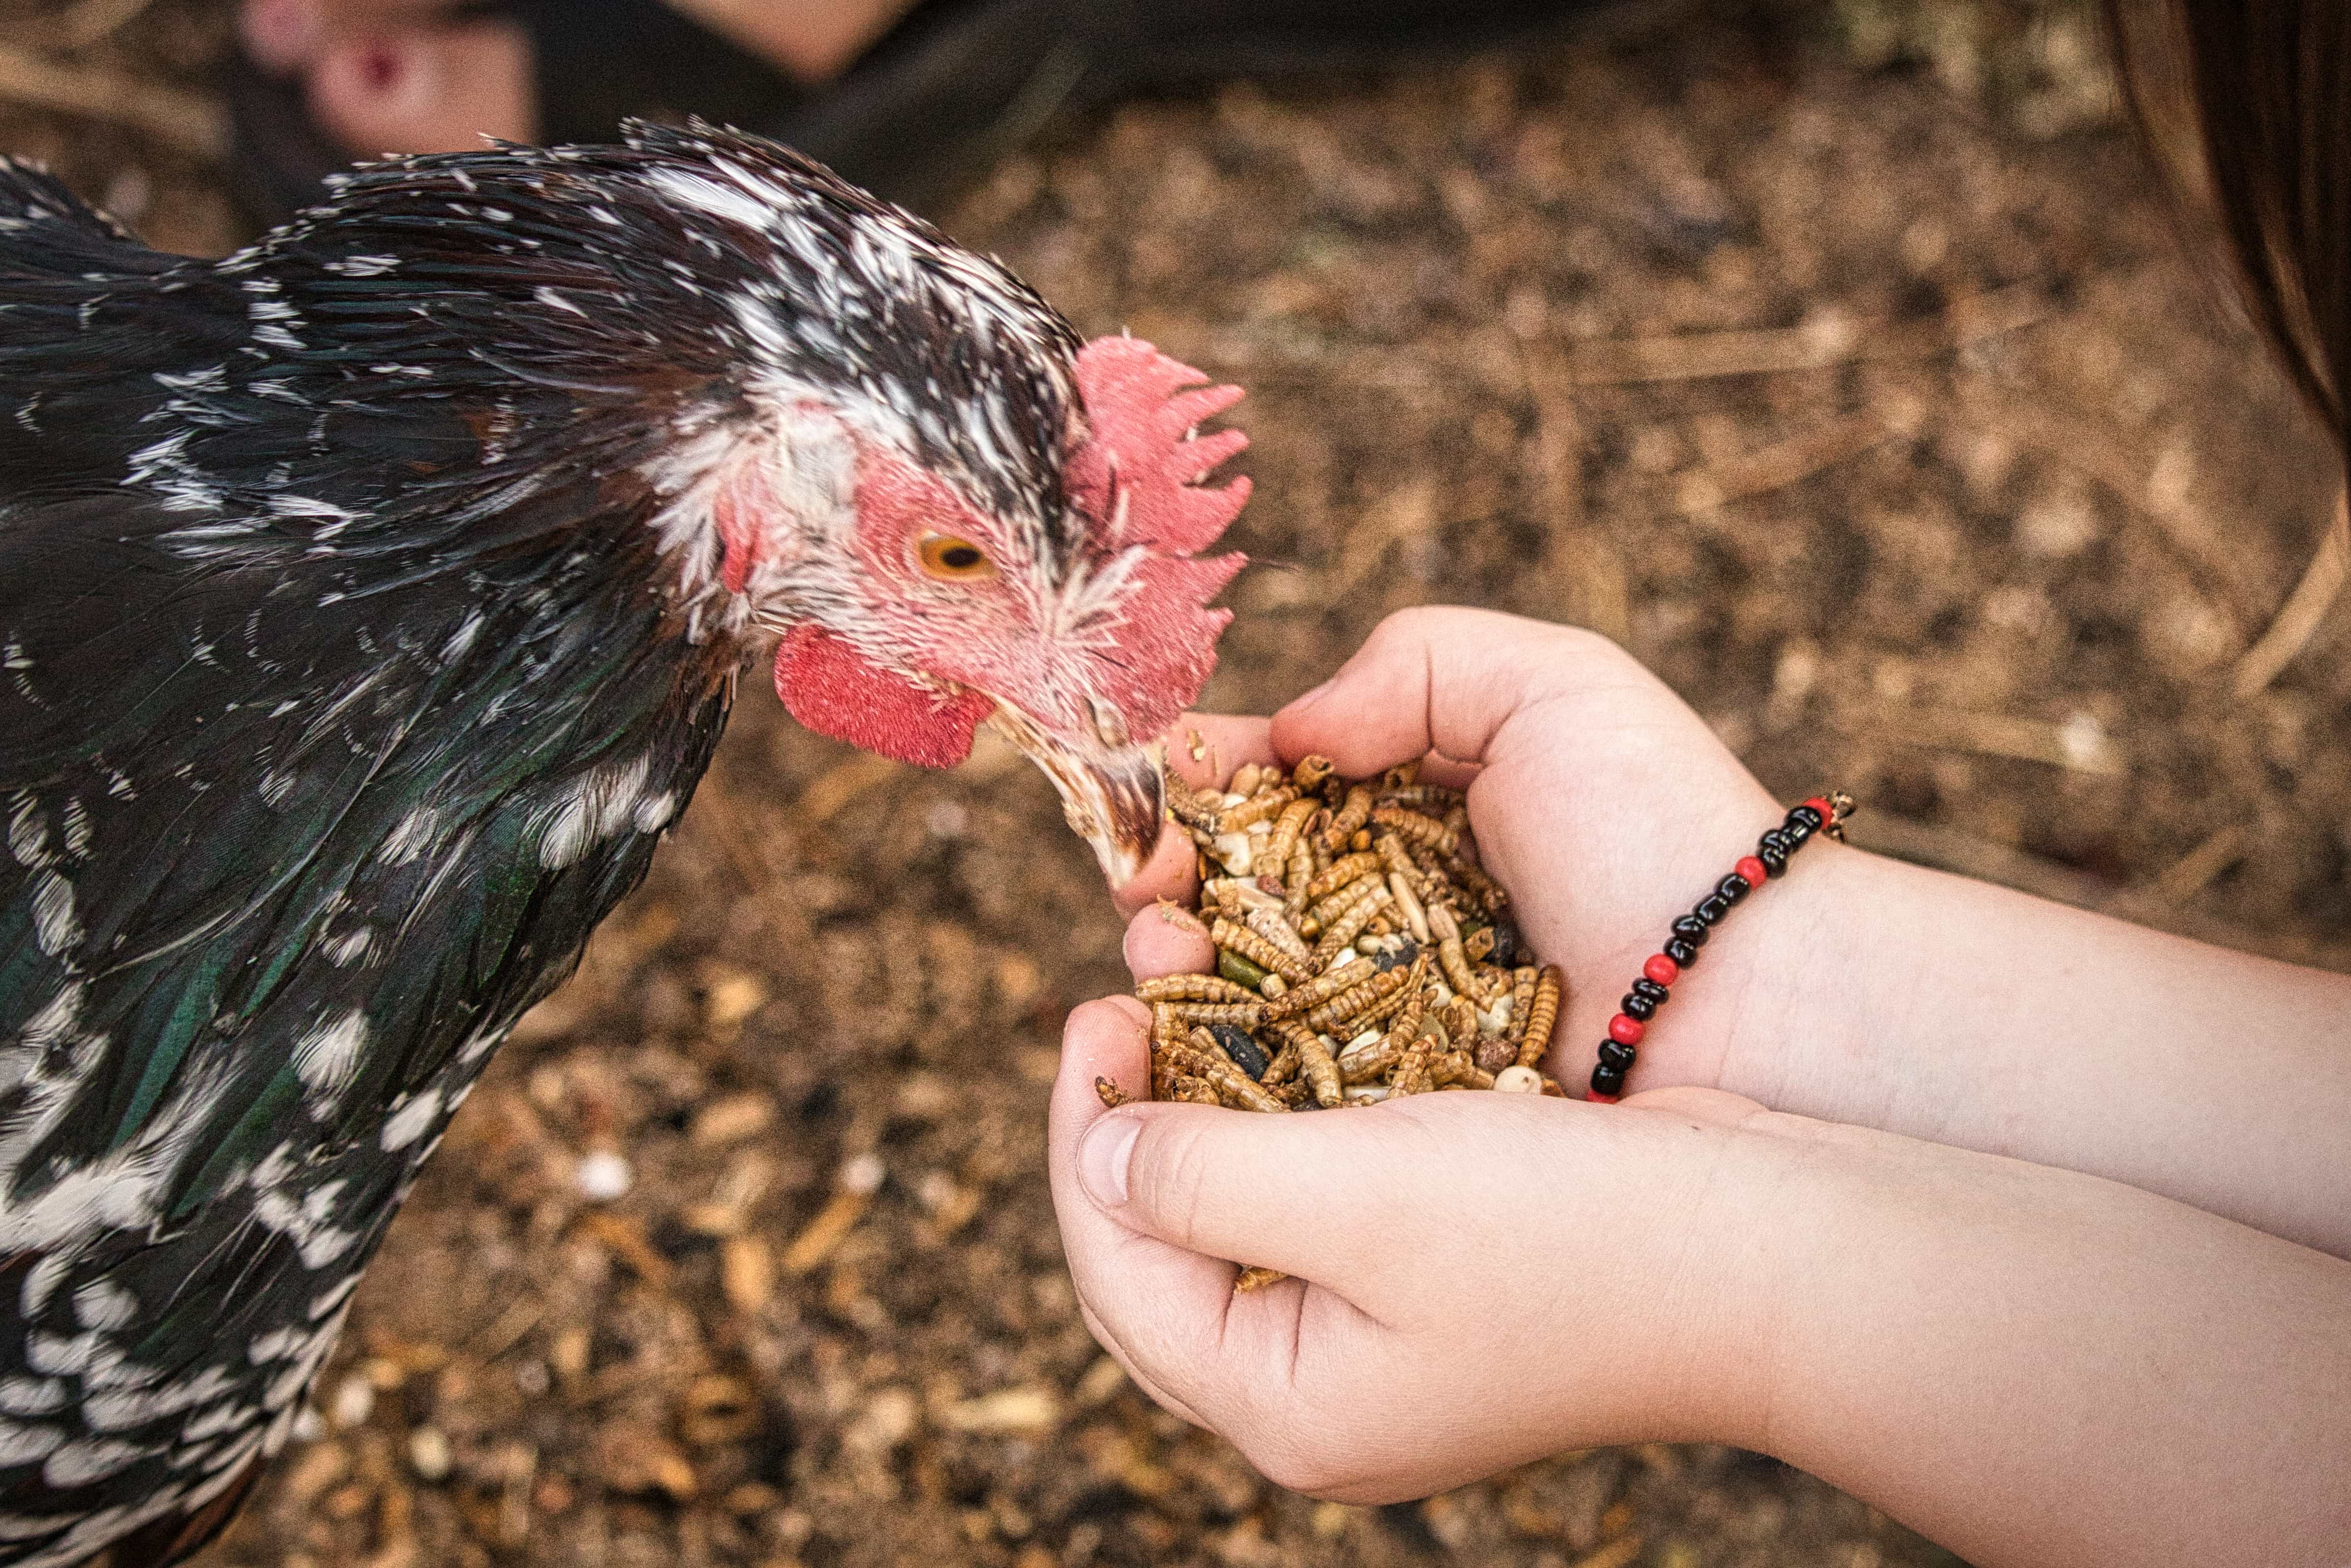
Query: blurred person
{"type": "Point", "coordinates": [904, 96]}
{"type": "Point", "coordinates": [2027, 1226]}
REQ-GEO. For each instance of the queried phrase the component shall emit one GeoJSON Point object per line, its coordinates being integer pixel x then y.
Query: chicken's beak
{"type": "Point", "coordinates": [1111, 791]}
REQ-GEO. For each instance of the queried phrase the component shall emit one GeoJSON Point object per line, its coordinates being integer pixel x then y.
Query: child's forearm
{"type": "Point", "coordinates": [1901, 998]}
{"type": "Point", "coordinates": [2036, 1367]}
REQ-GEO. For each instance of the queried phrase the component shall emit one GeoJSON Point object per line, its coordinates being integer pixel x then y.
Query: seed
{"type": "Point", "coordinates": [1243, 1049]}
{"type": "Point", "coordinates": [1194, 988]}
{"type": "Point", "coordinates": [1542, 1014]}
{"type": "Point", "coordinates": [1515, 1080]}
{"type": "Point", "coordinates": [1418, 829]}
{"type": "Point", "coordinates": [1247, 778]}
{"type": "Point", "coordinates": [1240, 939]}
{"type": "Point", "coordinates": [1416, 918]}
{"type": "Point", "coordinates": [1241, 971]}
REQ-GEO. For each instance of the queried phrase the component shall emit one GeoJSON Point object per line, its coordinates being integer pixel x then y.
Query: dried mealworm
{"type": "Point", "coordinates": [1193, 988]}
{"type": "Point", "coordinates": [1271, 924]}
{"type": "Point", "coordinates": [1198, 1091]}
{"type": "Point", "coordinates": [1366, 1063]}
{"type": "Point", "coordinates": [1397, 858]}
{"type": "Point", "coordinates": [1523, 1000]}
{"type": "Point", "coordinates": [1317, 920]}
{"type": "Point", "coordinates": [1207, 1060]}
{"type": "Point", "coordinates": [1355, 999]}
{"type": "Point", "coordinates": [1348, 926]}
{"type": "Point", "coordinates": [1418, 829]}
{"type": "Point", "coordinates": [1254, 1278]}
{"type": "Point", "coordinates": [1453, 1068]}
{"type": "Point", "coordinates": [1256, 808]}
{"type": "Point", "coordinates": [1450, 955]}
{"type": "Point", "coordinates": [1246, 1015]}
{"type": "Point", "coordinates": [1283, 1067]}
{"type": "Point", "coordinates": [1344, 872]}
{"type": "Point", "coordinates": [1108, 1093]}
{"type": "Point", "coordinates": [1311, 770]}
{"type": "Point", "coordinates": [1542, 1014]}
{"type": "Point", "coordinates": [1353, 814]}
{"type": "Point", "coordinates": [1420, 797]}
{"type": "Point", "coordinates": [1489, 893]}
{"type": "Point", "coordinates": [1412, 1069]}
{"type": "Point", "coordinates": [1323, 986]}
{"type": "Point", "coordinates": [1194, 810]}
{"type": "Point", "coordinates": [1315, 1063]}
{"type": "Point", "coordinates": [1230, 893]}
{"type": "Point", "coordinates": [1242, 940]}
{"type": "Point", "coordinates": [1283, 841]}
{"type": "Point", "coordinates": [1460, 1016]}
{"type": "Point", "coordinates": [1478, 945]}
{"type": "Point", "coordinates": [1296, 872]}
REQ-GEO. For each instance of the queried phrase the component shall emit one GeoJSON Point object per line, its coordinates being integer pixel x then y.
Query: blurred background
{"type": "Point", "coordinates": [1840, 359]}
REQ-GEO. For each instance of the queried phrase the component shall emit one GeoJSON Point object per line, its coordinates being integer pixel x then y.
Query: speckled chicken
{"type": "Point", "coordinates": [371, 602]}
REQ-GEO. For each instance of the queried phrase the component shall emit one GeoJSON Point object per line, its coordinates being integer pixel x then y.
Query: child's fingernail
{"type": "Point", "coordinates": [1103, 1156]}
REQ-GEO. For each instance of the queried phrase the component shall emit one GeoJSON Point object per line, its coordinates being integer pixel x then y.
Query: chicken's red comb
{"type": "Point", "coordinates": [1138, 474]}
{"type": "Point", "coordinates": [1139, 471]}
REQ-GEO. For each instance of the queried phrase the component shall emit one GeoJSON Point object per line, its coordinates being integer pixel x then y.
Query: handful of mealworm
{"type": "Point", "coordinates": [1363, 953]}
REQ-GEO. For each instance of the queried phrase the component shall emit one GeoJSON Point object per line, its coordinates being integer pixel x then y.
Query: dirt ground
{"type": "Point", "coordinates": [1844, 365]}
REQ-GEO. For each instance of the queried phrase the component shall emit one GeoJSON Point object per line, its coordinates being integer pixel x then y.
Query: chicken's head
{"type": "Point", "coordinates": [949, 509]}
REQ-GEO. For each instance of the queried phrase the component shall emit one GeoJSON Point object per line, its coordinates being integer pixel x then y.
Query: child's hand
{"type": "Point", "coordinates": [1494, 1276]}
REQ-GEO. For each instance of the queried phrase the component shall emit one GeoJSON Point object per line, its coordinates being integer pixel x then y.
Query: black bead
{"type": "Point", "coordinates": [1607, 1080]}
{"type": "Point", "coordinates": [1806, 817]}
{"type": "Point", "coordinates": [1713, 907]}
{"type": "Point", "coordinates": [1692, 930]}
{"type": "Point", "coordinates": [1794, 835]}
{"type": "Point", "coordinates": [1733, 888]}
{"type": "Point", "coordinates": [1510, 948]}
{"type": "Point", "coordinates": [1773, 838]}
{"type": "Point", "coordinates": [1682, 953]}
{"type": "Point", "coordinates": [1247, 1054]}
{"type": "Point", "coordinates": [1645, 987]}
{"type": "Point", "coordinates": [1775, 861]}
{"type": "Point", "coordinates": [1615, 1054]}
{"type": "Point", "coordinates": [1637, 1006]}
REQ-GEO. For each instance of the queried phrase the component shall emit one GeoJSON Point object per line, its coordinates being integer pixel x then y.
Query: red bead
{"type": "Point", "coordinates": [1661, 969]}
{"type": "Point", "coordinates": [1752, 870]}
{"type": "Point", "coordinates": [1625, 1030]}
{"type": "Point", "coordinates": [1819, 803]}
{"type": "Point", "coordinates": [1597, 1098]}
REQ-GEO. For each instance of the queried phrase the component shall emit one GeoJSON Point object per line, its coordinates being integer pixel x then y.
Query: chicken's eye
{"type": "Point", "coordinates": [952, 559]}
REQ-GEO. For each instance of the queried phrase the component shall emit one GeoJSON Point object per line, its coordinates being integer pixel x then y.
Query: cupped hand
{"type": "Point", "coordinates": [1477, 1279]}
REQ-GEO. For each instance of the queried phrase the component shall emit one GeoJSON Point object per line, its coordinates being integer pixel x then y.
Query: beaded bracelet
{"type": "Point", "coordinates": [1820, 814]}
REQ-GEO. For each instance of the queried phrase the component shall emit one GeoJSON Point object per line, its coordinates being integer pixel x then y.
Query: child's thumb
{"type": "Point", "coordinates": [1247, 1189]}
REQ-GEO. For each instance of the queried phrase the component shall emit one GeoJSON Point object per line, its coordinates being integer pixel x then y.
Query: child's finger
{"type": "Point", "coordinates": [1434, 678]}
{"type": "Point", "coordinates": [1206, 749]}
{"type": "Point", "coordinates": [1203, 749]}
{"type": "Point", "coordinates": [1141, 1379]}
{"type": "Point", "coordinates": [1168, 939]}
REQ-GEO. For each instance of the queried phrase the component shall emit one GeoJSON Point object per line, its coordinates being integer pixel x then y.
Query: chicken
{"type": "Point", "coordinates": [371, 602]}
